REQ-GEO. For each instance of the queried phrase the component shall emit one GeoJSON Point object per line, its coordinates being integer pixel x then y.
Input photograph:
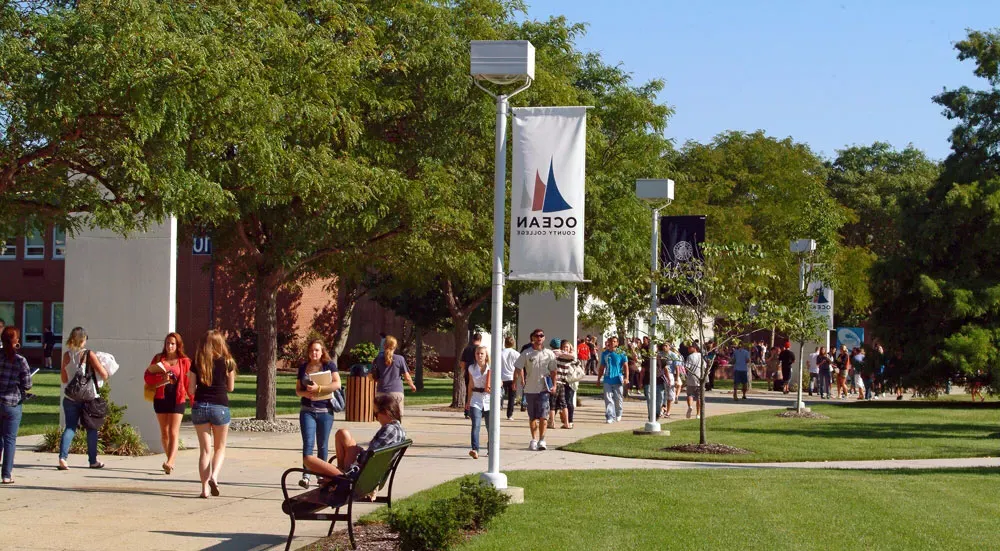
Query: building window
{"type": "Point", "coordinates": [31, 333]}
{"type": "Point", "coordinates": [57, 321]}
{"type": "Point", "coordinates": [58, 242]}
{"type": "Point", "coordinates": [34, 245]}
{"type": "Point", "coordinates": [8, 249]}
{"type": "Point", "coordinates": [7, 313]}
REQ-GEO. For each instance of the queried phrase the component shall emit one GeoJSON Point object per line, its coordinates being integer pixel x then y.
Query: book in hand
{"type": "Point", "coordinates": [159, 369]}
{"type": "Point", "coordinates": [321, 378]}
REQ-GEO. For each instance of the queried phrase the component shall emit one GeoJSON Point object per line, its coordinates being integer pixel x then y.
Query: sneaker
{"type": "Point", "coordinates": [609, 421]}
{"type": "Point", "coordinates": [533, 445]}
{"type": "Point", "coordinates": [510, 417]}
{"type": "Point", "coordinates": [689, 412]}
{"type": "Point", "coordinates": [541, 445]}
{"type": "Point", "coordinates": [304, 482]}
{"type": "Point", "coordinates": [619, 418]}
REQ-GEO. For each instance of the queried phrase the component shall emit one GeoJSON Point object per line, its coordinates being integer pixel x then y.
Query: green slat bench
{"type": "Point", "coordinates": [379, 469]}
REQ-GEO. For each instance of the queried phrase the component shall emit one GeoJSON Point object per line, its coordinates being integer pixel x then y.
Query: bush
{"type": "Point", "coordinates": [115, 437]}
{"type": "Point", "coordinates": [430, 528]}
{"type": "Point", "coordinates": [364, 353]}
{"type": "Point", "coordinates": [482, 501]}
{"type": "Point", "coordinates": [438, 525]}
{"type": "Point", "coordinates": [243, 346]}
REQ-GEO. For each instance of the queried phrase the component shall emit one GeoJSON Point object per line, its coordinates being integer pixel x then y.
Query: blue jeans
{"type": "Point", "coordinates": [315, 428]}
{"type": "Point", "coordinates": [10, 421]}
{"type": "Point", "coordinates": [73, 410]}
{"type": "Point", "coordinates": [612, 401]}
{"type": "Point", "coordinates": [570, 401]}
{"type": "Point", "coordinates": [477, 415]}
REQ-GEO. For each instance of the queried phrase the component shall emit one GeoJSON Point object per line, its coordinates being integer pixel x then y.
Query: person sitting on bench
{"type": "Point", "coordinates": [350, 456]}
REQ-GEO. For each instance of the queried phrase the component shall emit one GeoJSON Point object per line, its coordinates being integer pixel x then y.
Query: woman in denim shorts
{"type": "Point", "coordinates": [213, 377]}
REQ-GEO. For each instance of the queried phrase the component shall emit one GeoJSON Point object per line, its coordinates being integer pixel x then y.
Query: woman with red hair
{"type": "Point", "coordinates": [168, 372]}
{"type": "Point", "coordinates": [15, 380]}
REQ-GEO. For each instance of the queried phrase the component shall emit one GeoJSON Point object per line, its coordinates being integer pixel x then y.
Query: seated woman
{"type": "Point", "coordinates": [350, 454]}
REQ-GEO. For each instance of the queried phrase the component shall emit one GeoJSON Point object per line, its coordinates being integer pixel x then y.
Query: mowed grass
{"type": "Point", "coordinates": [42, 411]}
{"type": "Point", "coordinates": [726, 509]}
{"type": "Point", "coordinates": [857, 431]}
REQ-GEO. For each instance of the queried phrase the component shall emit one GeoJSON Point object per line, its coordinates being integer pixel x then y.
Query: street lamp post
{"type": "Point", "coordinates": [500, 62]}
{"type": "Point", "coordinates": [801, 247]}
{"type": "Point", "coordinates": [659, 194]}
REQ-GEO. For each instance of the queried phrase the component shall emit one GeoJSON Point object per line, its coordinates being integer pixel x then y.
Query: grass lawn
{"type": "Point", "coordinates": [43, 410]}
{"type": "Point", "coordinates": [765, 509]}
{"type": "Point", "coordinates": [857, 431]}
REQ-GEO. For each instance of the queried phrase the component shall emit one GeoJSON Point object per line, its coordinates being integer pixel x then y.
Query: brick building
{"type": "Point", "coordinates": [32, 274]}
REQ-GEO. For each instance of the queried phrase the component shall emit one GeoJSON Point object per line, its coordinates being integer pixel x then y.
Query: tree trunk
{"type": "Point", "coordinates": [461, 334]}
{"type": "Point", "coordinates": [266, 325]}
{"type": "Point", "coordinates": [418, 370]}
{"type": "Point", "coordinates": [347, 298]}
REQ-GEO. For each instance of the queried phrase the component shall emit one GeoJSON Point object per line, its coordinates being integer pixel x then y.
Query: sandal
{"type": "Point", "coordinates": [215, 487]}
{"type": "Point", "coordinates": [97, 465]}
{"type": "Point", "coordinates": [8, 481]}
{"type": "Point", "coordinates": [168, 468]}
{"type": "Point", "coordinates": [62, 465]}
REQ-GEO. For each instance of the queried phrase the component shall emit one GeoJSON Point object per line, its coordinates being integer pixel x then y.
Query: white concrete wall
{"type": "Point", "coordinates": [557, 317]}
{"type": "Point", "coordinates": [123, 293]}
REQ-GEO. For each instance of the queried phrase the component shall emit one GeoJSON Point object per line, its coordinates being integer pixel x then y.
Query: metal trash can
{"type": "Point", "coordinates": [360, 394]}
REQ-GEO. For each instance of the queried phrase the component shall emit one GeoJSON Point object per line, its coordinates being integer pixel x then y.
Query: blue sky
{"type": "Point", "coordinates": [830, 74]}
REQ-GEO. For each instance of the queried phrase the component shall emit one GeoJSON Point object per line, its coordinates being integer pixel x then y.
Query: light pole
{"type": "Point", "coordinates": [500, 62]}
{"type": "Point", "coordinates": [658, 194]}
{"type": "Point", "coordinates": [801, 247]}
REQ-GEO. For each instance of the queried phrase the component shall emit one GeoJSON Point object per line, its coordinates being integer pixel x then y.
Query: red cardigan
{"type": "Point", "coordinates": [180, 371]}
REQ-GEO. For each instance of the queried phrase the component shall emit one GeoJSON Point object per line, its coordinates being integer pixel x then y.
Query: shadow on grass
{"type": "Point", "coordinates": [882, 432]}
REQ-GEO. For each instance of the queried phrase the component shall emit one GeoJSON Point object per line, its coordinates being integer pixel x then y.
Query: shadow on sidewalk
{"type": "Point", "coordinates": [234, 542]}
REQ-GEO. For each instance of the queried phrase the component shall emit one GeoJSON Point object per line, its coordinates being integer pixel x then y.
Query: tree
{"type": "Point", "coordinates": [722, 285]}
{"type": "Point", "coordinates": [96, 106]}
{"type": "Point", "coordinates": [938, 297]}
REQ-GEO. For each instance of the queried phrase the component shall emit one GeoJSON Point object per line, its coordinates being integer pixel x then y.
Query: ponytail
{"type": "Point", "coordinates": [389, 348]}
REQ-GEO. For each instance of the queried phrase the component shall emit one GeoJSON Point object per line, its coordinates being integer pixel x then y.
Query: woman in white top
{"type": "Point", "coordinates": [477, 400]}
{"type": "Point", "coordinates": [73, 357]}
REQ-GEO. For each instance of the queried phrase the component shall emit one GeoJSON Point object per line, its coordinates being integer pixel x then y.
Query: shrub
{"type": "Point", "coordinates": [481, 501]}
{"type": "Point", "coordinates": [430, 528]}
{"type": "Point", "coordinates": [364, 353]}
{"type": "Point", "coordinates": [115, 437]}
{"type": "Point", "coordinates": [243, 346]}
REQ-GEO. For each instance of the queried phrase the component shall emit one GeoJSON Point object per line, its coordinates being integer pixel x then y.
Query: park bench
{"type": "Point", "coordinates": [341, 491]}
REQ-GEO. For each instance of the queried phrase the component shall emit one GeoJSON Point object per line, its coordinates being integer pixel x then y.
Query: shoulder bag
{"type": "Point", "coordinates": [79, 388]}
{"type": "Point", "coordinates": [94, 411]}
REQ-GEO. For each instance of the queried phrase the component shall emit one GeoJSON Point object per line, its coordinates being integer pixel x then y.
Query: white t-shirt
{"type": "Point", "coordinates": [694, 366]}
{"type": "Point", "coordinates": [537, 364]}
{"type": "Point", "coordinates": [507, 358]}
{"type": "Point", "coordinates": [479, 400]}
{"type": "Point", "coordinates": [813, 366]}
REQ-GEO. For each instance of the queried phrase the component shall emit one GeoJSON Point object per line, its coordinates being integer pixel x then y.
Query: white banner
{"type": "Point", "coordinates": [821, 301]}
{"type": "Point", "coordinates": [546, 226]}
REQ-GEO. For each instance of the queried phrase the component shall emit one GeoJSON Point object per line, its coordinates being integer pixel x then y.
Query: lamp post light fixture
{"type": "Point", "coordinates": [658, 194]}
{"type": "Point", "coordinates": [803, 248]}
{"type": "Point", "coordinates": [501, 62]}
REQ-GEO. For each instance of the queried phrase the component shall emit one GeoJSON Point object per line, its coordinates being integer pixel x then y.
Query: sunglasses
{"type": "Point", "coordinates": [538, 336]}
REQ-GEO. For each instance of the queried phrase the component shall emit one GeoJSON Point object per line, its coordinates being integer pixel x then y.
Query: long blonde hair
{"type": "Point", "coordinates": [478, 348]}
{"type": "Point", "coordinates": [212, 347]}
{"type": "Point", "coordinates": [389, 348]}
{"type": "Point", "coordinates": [76, 338]}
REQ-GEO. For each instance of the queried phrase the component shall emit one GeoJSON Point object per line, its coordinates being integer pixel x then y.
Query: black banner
{"type": "Point", "coordinates": [680, 241]}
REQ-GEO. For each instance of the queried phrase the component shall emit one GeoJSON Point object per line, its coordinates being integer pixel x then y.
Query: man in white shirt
{"type": "Point", "coordinates": [532, 367]}
{"type": "Point", "coordinates": [695, 368]}
{"type": "Point", "coordinates": [508, 356]}
{"type": "Point", "coordinates": [813, 370]}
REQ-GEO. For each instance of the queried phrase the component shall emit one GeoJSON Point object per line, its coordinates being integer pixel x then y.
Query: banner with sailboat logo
{"type": "Point", "coordinates": [547, 193]}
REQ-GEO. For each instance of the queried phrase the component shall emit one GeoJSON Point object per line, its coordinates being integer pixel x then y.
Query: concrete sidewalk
{"type": "Point", "coordinates": [132, 504]}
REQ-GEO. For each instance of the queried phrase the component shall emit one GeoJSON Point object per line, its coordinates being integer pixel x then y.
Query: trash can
{"type": "Point", "coordinates": [360, 394]}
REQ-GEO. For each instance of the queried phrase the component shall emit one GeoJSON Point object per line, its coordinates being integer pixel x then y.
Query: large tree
{"type": "Point", "coordinates": [938, 298]}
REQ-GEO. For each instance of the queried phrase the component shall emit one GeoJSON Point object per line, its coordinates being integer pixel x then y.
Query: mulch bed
{"type": "Point", "coordinates": [712, 449]}
{"type": "Point", "coordinates": [369, 537]}
{"type": "Point", "coordinates": [803, 415]}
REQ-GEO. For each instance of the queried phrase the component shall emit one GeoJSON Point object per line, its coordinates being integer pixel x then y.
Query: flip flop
{"type": "Point", "coordinates": [97, 465]}
{"type": "Point", "coordinates": [214, 487]}
{"type": "Point", "coordinates": [8, 481]}
{"type": "Point", "coordinates": [168, 468]}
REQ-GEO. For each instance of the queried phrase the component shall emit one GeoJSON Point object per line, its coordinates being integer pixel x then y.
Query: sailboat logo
{"type": "Point", "coordinates": [819, 296]}
{"type": "Point", "coordinates": [545, 197]}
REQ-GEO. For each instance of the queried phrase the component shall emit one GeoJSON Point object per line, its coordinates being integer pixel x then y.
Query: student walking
{"type": "Point", "coordinates": [612, 372]}
{"type": "Point", "coordinates": [532, 368]}
{"type": "Point", "coordinates": [213, 377]}
{"type": "Point", "coordinates": [77, 358]}
{"type": "Point", "coordinates": [168, 371]}
{"type": "Point", "coordinates": [387, 368]}
{"type": "Point", "coordinates": [315, 414]}
{"type": "Point", "coordinates": [477, 399]}
{"type": "Point", "coordinates": [508, 356]}
{"type": "Point", "coordinates": [15, 380]}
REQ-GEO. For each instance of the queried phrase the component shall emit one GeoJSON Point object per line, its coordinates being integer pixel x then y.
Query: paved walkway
{"type": "Point", "coordinates": [132, 504]}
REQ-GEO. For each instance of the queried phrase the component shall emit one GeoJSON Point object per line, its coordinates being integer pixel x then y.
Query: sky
{"type": "Point", "coordinates": [829, 74]}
